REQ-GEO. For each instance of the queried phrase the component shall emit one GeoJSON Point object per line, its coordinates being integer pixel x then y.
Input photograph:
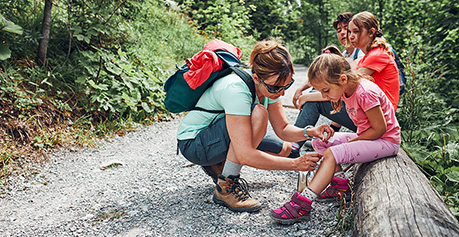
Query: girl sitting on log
{"type": "Point", "coordinates": [378, 132]}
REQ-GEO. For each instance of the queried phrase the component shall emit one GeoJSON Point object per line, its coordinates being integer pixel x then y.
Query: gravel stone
{"type": "Point", "coordinates": [136, 185]}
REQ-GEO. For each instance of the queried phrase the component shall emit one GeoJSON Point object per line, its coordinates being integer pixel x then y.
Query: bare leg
{"type": "Point", "coordinates": [325, 172]}
{"type": "Point", "coordinates": [286, 149]}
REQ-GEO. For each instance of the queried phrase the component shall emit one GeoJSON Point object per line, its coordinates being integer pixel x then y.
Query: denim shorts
{"type": "Point", "coordinates": [211, 144]}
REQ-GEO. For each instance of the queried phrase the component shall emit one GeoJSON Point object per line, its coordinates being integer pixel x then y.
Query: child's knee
{"type": "Point", "coordinates": [319, 145]}
{"type": "Point", "coordinates": [328, 156]}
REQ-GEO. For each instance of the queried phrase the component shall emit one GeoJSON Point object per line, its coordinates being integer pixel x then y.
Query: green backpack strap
{"type": "Point", "coordinates": [247, 78]}
{"type": "Point", "coordinates": [234, 64]}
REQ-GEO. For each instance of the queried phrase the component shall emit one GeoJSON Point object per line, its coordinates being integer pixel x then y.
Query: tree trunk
{"type": "Point", "coordinates": [43, 46]}
{"type": "Point", "coordinates": [393, 198]}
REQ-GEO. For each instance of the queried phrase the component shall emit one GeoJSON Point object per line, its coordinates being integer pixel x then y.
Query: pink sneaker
{"type": "Point", "coordinates": [338, 189]}
{"type": "Point", "coordinates": [297, 209]}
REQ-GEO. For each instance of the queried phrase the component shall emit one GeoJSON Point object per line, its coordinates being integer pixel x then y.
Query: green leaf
{"type": "Point", "coordinates": [453, 150]}
{"type": "Point", "coordinates": [79, 37]}
{"type": "Point", "coordinates": [9, 26]}
{"type": "Point", "coordinates": [453, 176]}
{"type": "Point", "coordinates": [147, 107]}
{"type": "Point", "coordinates": [93, 84]}
{"type": "Point", "coordinates": [81, 79]}
{"type": "Point", "coordinates": [5, 52]}
{"type": "Point", "coordinates": [113, 68]}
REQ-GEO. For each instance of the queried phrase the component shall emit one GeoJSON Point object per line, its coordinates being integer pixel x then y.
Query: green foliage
{"type": "Point", "coordinates": [114, 84]}
{"type": "Point", "coordinates": [227, 20]}
{"type": "Point", "coordinates": [429, 124]}
{"type": "Point", "coordinates": [224, 19]}
{"type": "Point", "coordinates": [24, 94]}
{"type": "Point", "coordinates": [271, 19]}
{"type": "Point", "coordinates": [436, 23]}
{"type": "Point", "coordinates": [7, 26]}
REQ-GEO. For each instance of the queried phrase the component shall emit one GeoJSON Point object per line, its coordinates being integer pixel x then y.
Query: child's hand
{"type": "Point", "coordinates": [296, 97]}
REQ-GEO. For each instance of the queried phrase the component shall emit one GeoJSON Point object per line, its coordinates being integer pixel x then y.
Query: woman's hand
{"type": "Point", "coordinates": [319, 132]}
{"type": "Point", "coordinates": [307, 162]}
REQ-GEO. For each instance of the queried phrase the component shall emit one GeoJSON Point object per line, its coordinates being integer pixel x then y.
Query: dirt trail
{"type": "Point", "coordinates": [136, 185]}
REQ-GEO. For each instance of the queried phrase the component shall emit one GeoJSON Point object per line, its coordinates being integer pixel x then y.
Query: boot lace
{"type": "Point", "coordinates": [240, 189]}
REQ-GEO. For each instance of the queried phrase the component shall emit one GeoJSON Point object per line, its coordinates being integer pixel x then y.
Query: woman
{"type": "Point", "coordinates": [378, 62]}
{"type": "Point", "coordinates": [209, 139]}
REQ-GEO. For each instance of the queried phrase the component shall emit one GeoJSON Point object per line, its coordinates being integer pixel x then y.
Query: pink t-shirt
{"type": "Point", "coordinates": [385, 72]}
{"type": "Point", "coordinates": [367, 96]}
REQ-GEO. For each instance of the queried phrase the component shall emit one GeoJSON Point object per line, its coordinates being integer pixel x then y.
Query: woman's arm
{"type": "Point", "coordinates": [290, 133]}
{"type": "Point", "coordinates": [243, 151]}
{"type": "Point", "coordinates": [378, 125]}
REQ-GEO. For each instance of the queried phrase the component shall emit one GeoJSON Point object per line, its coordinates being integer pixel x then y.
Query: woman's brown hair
{"type": "Point", "coordinates": [269, 58]}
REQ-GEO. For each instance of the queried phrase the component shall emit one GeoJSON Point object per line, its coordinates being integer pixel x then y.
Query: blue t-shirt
{"type": "Point", "coordinates": [230, 94]}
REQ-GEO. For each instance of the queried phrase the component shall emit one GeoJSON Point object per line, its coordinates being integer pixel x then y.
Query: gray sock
{"type": "Point", "coordinates": [231, 168]}
{"type": "Point", "coordinates": [340, 174]}
{"type": "Point", "coordinates": [309, 194]}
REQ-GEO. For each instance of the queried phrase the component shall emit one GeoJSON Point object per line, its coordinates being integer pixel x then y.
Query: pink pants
{"type": "Point", "coordinates": [360, 151]}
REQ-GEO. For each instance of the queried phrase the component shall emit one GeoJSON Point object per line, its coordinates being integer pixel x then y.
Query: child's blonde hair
{"type": "Point", "coordinates": [328, 67]}
{"type": "Point", "coordinates": [269, 58]}
{"type": "Point", "coordinates": [368, 21]}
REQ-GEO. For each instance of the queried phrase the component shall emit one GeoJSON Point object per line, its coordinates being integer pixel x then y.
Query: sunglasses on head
{"type": "Point", "coordinates": [276, 89]}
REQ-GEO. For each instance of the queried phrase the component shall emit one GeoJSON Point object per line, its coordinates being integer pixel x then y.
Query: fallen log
{"type": "Point", "coordinates": [393, 198]}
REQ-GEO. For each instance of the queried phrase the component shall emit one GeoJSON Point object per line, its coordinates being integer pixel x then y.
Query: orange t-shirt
{"type": "Point", "coordinates": [385, 73]}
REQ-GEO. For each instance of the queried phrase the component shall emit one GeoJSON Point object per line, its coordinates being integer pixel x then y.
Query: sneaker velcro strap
{"type": "Point", "coordinates": [294, 212]}
{"type": "Point", "coordinates": [301, 203]}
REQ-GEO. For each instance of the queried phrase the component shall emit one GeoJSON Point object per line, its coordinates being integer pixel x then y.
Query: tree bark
{"type": "Point", "coordinates": [43, 46]}
{"type": "Point", "coordinates": [393, 198]}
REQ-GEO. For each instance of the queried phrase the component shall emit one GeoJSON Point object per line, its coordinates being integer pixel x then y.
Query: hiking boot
{"type": "Point", "coordinates": [338, 189]}
{"type": "Point", "coordinates": [297, 209]}
{"type": "Point", "coordinates": [233, 192]}
{"type": "Point", "coordinates": [214, 170]}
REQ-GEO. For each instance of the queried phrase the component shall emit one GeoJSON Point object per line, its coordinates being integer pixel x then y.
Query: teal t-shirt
{"type": "Point", "coordinates": [230, 94]}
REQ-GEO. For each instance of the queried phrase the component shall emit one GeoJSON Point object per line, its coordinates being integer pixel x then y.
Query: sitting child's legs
{"type": "Point", "coordinates": [360, 151]}
{"type": "Point", "coordinates": [339, 138]}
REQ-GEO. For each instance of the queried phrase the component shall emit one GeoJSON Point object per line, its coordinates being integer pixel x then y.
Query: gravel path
{"type": "Point", "coordinates": [136, 185]}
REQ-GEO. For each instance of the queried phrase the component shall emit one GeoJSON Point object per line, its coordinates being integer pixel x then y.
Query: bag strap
{"type": "Point", "coordinates": [235, 65]}
{"type": "Point", "coordinates": [356, 55]}
{"type": "Point", "coordinates": [248, 81]}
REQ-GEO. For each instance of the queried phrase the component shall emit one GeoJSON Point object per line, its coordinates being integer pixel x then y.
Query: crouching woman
{"type": "Point", "coordinates": [232, 138]}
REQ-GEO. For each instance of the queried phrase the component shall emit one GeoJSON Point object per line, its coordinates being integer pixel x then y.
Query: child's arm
{"type": "Point", "coordinates": [312, 96]}
{"type": "Point", "coordinates": [378, 125]}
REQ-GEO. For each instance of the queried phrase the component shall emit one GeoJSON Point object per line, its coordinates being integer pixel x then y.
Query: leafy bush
{"type": "Point", "coordinates": [430, 125]}
{"type": "Point", "coordinates": [106, 66]}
